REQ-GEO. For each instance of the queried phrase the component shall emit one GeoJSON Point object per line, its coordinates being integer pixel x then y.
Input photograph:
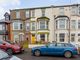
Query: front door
{"type": "Point", "coordinates": [33, 38]}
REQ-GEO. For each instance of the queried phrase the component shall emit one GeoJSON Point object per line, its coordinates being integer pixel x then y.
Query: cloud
{"type": "Point", "coordinates": [9, 2]}
{"type": "Point", "coordinates": [5, 5]}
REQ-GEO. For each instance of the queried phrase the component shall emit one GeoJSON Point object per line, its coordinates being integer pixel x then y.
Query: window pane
{"type": "Point", "coordinates": [79, 37]}
{"type": "Point", "coordinates": [32, 13]}
{"type": "Point", "coordinates": [17, 14]}
{"type": "Point", "coordinates": [1, 27]}
{"type": "Point", "coordinates": [42, 24]}
{"type": "Point", "coordinates": [42, 37]}
{"type": "Point", "coordinates": [21, 26]}
{"type": "Point", "coordinates": [43, 12]}
{"type": "Point", "coordinates": [61, 24]}
{"type": "Point", "coordinates": [33, 25]}
{"type": "Point", "coordinates": [74, 10]}
{"type": "Point", "coordinates": [61, 10]}
{"type": "Point", "coordinates": [72, 37]}
{"type": "Point", "coordinates": [15, 25]}
{"type": "Point", "coordinates": [27, 14]}
{"type": "Point", "coordinates": [79, 10]}
{"type": "Point", "coordinates": [79, 24]}
{"type": "Point", "coordinates": [62, 37]}
{"type": "Point", "coordinates": [73, 24]}
{"type": "Point", "coordinates": [27, 26]}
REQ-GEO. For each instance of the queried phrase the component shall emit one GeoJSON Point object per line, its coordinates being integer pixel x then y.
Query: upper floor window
{"type": "Point", "coordinates": [78, 24]}
{"type": "Point", "coordinates": [42, 24]}
{"type": "Point", "coordinates": [27, 26]}
{"type": "Point", "coordinates": [2, 27]}
{"type": "Point", "coordinates": [61, 23]}
{"type": "Point", "coordinates": [74, 10]}
{"type": "Point", "coordinates": [33, 26]}
{"type": "Point", "coordinates": [79, 10]}
{"type": "Point", "coordinates": [73, 24]}
{"type": "Point", "coordinates": [17, 25]}
{"type": "Point", "coordinates": [61, 10]}
{"type": "Point", "coordinates": [43, 12]}
{"type": "Point", "coordinates": [27, 14]}
{"type": "Point", "coordinates": [17, 14]}
{"type": "Point", "coordinates": [32, 13]}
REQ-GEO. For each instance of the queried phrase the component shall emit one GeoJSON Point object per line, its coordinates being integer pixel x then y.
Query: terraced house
{"type": "Point", "coordinates": [46, 24]}
{"type": "Point", "coordinates": [5, 33]}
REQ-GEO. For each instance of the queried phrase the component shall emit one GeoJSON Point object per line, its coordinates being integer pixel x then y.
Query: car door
{"type": "Point", "coordinates": [51, 49]}
{"type": "Point", "coordinates": [59, 48]}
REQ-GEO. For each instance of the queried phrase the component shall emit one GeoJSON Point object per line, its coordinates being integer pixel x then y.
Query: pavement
{"type": "Point", "coordinates": [27, 56]}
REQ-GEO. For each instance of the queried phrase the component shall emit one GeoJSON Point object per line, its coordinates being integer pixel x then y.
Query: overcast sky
{"type": "Point", "coordinates": [6, 5]}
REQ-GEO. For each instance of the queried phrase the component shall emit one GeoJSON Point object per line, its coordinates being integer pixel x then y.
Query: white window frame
{"type": "Point", "coordinates": [59, 24]}
{"type": "Point", "coordinates": [17, 14]}
{"type": "Point", "coordinates": [61, 11]}
{"type": "Point", "coordinates": [18, 22]}
{"type": "Point", "coordinates": [73, 24]}
{"type": "Point", "coordinates": [27, 13]}
{"type": "Point", "coordinates": [32, 13]}
{"type": "Point", "coordinates": [33, 26]}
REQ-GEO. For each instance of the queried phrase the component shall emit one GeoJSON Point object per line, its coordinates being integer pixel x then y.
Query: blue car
{"type": "Point", "coordinates": [63, 49]}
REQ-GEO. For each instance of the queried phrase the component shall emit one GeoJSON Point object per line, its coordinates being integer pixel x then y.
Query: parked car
{"type": "Point", "coordinates": [63, 49]}
{"type": "Point", "coordinates": [77, 45]}
{"type": "Point", "coordinates": [10, 48]}
{"type": "Point", "coordinates": [5, 56]}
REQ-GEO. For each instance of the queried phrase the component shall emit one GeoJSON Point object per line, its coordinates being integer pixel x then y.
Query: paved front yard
{"type": "Point", "coordinates": [27, 56]}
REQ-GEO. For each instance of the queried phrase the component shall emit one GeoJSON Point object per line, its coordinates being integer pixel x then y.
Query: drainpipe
{"type": "Point", "coordinates": [69, 31]}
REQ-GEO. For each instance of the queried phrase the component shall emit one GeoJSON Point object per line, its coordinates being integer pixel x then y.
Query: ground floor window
{"type": "Point", "coordinates": [42, 37]}
{"type": "Point", "coordinates": [79, 37]}
{"type": "Point", "coordinates": [21, 37]}
{"type": "Point", "coordinates": [61, 37]}
{"type": "Point", "coordinates": [72, 37]}
{"type": "Point", "coordinates": [16, 37]}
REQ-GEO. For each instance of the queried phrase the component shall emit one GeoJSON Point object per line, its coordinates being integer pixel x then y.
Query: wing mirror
{"type": "Point", "coordinates": [47, 45]}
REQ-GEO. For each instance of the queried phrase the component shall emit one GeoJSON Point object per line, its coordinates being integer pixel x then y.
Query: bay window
{"type": "Point", "coordinates": [61, 24]}
{"type": "Point", "coordinates": [43, 24]}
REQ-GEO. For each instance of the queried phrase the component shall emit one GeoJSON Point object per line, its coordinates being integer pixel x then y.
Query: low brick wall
{"type": "Point", "coordinates": [35, 45]}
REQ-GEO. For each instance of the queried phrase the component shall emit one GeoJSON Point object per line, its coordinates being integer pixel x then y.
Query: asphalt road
{"type": "Point", "coordinates": [27, 56]}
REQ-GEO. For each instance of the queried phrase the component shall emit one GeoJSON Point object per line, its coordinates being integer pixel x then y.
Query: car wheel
{"type": "Point", "coordinates": [68, 54]}
{"type": "Point", "coordinates": [9, 51]}
{"type": "Point", "coordinates": [37, 53]}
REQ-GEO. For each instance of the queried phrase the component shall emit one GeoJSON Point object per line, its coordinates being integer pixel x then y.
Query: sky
{"type": "Point", "coordinates": [7, 5]}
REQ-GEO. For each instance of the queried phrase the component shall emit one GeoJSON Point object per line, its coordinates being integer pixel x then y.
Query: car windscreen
{"type": "Point", "coordinates": [3, 54]}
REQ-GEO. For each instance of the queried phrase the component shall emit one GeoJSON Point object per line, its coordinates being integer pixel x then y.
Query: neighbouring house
{"type": "Point", "coordinates": [46, 24]}
{"type": "Point", "coordinates": [5, 27]}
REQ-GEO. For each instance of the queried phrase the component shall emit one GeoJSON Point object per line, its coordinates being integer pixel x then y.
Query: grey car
{"type": "Point", "coordinates": [5, 56]}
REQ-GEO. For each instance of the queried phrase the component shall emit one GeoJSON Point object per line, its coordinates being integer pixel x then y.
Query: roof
{"type": "Point", "coordinates": [46, 7]}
